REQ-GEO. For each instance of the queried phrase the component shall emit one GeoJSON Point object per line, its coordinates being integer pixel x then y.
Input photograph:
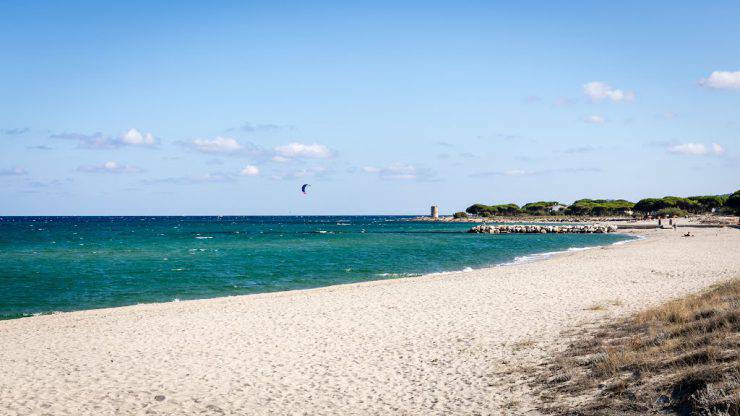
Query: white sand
{"type": "Point", "coordinates": [430, 345]}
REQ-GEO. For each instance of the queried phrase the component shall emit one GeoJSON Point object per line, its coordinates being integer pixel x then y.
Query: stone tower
{"type": "Point", "coordinates": [435, 211]}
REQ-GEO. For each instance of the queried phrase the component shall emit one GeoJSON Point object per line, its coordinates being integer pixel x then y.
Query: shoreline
{"type": "Point", "coordinates": [529, 258]}
{"type": "Point", "coordinates": [433, 344]}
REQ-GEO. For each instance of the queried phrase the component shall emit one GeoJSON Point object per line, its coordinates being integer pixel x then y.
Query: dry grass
{"type": "Point", "coordinates": [680, 357]}
{"type": "Point", "coordinates": [600, 307]}
{"type": "Point", "coordinates": [524, 344]}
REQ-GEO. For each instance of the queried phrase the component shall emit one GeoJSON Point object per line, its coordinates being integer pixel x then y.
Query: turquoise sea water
{"type": "Point", "coordinates": [70, 263]}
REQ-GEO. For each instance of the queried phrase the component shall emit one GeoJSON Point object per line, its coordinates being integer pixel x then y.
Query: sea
{"type": "Point", "coordinates": [58, 264]}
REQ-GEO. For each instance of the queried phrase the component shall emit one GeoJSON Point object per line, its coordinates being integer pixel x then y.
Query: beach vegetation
{"type": "Point", "coordinates": [599, 207]}
{"type": "Point", "coordinates": [540, 207]}
{"type": "Point", "coordinates": [733, 202]}
{"type": "Point", "coordinates": [460, 214]}
{"type": "Point", "coordinates": [671, 212]}
{"type": "Point", "coordinates": [613, 207]}
{"type": "Point", "coordinates": [651, 205]}
{"type": "Point", "coordinates": [710, 202]}
{"type": "Point", "coordinates": [681, 357]}
{"type": "Point", "coordinates": [494, 210]}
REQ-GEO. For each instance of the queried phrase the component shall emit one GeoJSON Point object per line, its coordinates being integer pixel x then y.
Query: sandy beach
{"type": "Point", "coordinates": [437, 344]}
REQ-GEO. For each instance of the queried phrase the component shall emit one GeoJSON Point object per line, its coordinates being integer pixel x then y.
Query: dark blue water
{"type": "Point", "coordinates": [71, 263]}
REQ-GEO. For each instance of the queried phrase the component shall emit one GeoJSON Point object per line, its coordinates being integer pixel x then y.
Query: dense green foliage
{"type": "Point", "coordinates": [491, 210]}
{"type": "Point", "coordinates": [539, 208]}
{"type": "Point", "coordinates": [733, 201]}
{"type": "Point", "coordinates": [668, 205]}
{"type": "Point", "coordinates": [649, 205]}
{"type": "Point", "coordinates": [599, 207]}
{"type": "Point", "coordinates": [460, 214]}
{"type": "Point", "coordinates": [671, 212]}
{"type": "Point", "coordinates": [708, 202]}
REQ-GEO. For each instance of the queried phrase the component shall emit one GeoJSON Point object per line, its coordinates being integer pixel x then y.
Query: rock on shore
{"type": "Point", "coordinates": [543, 229]}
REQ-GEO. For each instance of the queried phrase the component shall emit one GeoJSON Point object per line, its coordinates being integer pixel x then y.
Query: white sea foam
{"type": "Point", "coordinates": [542, 256]}
{"type": "Point", "coordinates": [203, 237]}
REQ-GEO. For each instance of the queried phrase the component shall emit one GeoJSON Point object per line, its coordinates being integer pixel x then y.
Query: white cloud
{"type": "Point", "coordinates": [598, 91]}
{"type": "Point", "coordinates": [725, 80]}
{"type": "Point", "coordinates": [400, 171]}
{"type": "Point", "coordinates": [14, 171]}
{"type": "Point", "coordinates": [514, 172]}
{"type": "Point", "coordinates": [696, 149]}
{"type": "Point", "coordinates": [134, 137]}
{"type": "Point", "coordinates": [109, 167]}
{"type": "Point", "coordinates": [717, 149]}
{"type": "Point", "coordinates": [250, 170]}
{"type": "Point", "coordinates": [280, 159]}
{"type": "Point", "coordinates": [218, 145]}
{"type": "Point", "coordinates": [193, 179]}
{"type": "Point", "coordinates": [521, 172]}
{"type": "Point", "coordinates": [594, 119]}
{"type": "Point", "coordinates": [300, 150]}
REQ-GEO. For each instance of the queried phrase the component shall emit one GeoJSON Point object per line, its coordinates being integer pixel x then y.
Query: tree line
{"type": "Point", "coordinates": [666, 206]}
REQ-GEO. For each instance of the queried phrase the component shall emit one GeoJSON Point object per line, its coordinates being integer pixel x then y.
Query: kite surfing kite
{"type": "Point", "coordinates": [304, 188]}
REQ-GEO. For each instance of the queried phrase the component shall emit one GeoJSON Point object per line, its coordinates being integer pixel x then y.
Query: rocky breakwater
{"type": "Point", "coordinates": [543, 229]}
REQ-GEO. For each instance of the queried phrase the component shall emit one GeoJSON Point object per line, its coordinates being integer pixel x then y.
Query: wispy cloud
{"type": "Point", "coordinates": [131, 137]}
{"type": "Point", "coordinates": [14, 171]}
{"type": "Point", "coordinates": [224, 146]}
{"type": "Point", "coordinates": [280, 159]}
{"type": "Point", "coordinates": [522, 172]}
{"type": "Point", "coordinates": [39, 147]}
{"type": "Point", "coordinates": [580, 149]}
{"type": "Point", "coordinates": [502, 136]}
{"type": "Point", "coordinates": [723, 80]}
{"type": "Point", "coordinates": [193, 179]}
{"type": "Point", "coordinates": [14, 131]}
{"type": "Point", "coordinates": [597, 91]}
{"type": "Point", "coordinates": [217, 145]}
{"type": "Point", "coordinates": [594, 119]}
{"type": "Point", "coordinates": [49, 183]}
{"type": "Point", "coordinates": [301, 150]}
{"type": "Point", "coordinates": [696, 149]}
{"type": "Point", "coordinates": [308, 172]}
{"type": "Point", "coordinates": [263, 127]}
{"type": "Point", "coordinates": [109, 167]}
{"type": "Point", "coordinates": [564, 102]}
{"type": "Point", "coordinates": [401, 171]}
{"type": "Point", "coordinates": [250, 170]}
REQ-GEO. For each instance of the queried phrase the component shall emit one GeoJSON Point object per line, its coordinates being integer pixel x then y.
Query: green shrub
{"type": "Point", "coordinates": [733, 201]}
{"type": "Point", "coordinates": [491, 210]}
{"type": "Point", "coordinates": [709, 202]}
{"type": "Point", "coordinates": [460, 214]}
{"type": "Point", "coordinates": [671, 212]}
{"type": "Point", "coordinates": [649, 205]}
{"type": "Point", "coordinates": [599, 207]}
{"type": "Point", "coordinates": [539, 208]}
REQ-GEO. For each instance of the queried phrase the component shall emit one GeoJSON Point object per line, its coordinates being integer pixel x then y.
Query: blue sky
{"type": "Point", "coordinates": [139, 108]}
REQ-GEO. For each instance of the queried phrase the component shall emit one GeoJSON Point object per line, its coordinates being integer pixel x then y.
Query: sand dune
{"type": "Point", "coordinates": [436, 344]}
